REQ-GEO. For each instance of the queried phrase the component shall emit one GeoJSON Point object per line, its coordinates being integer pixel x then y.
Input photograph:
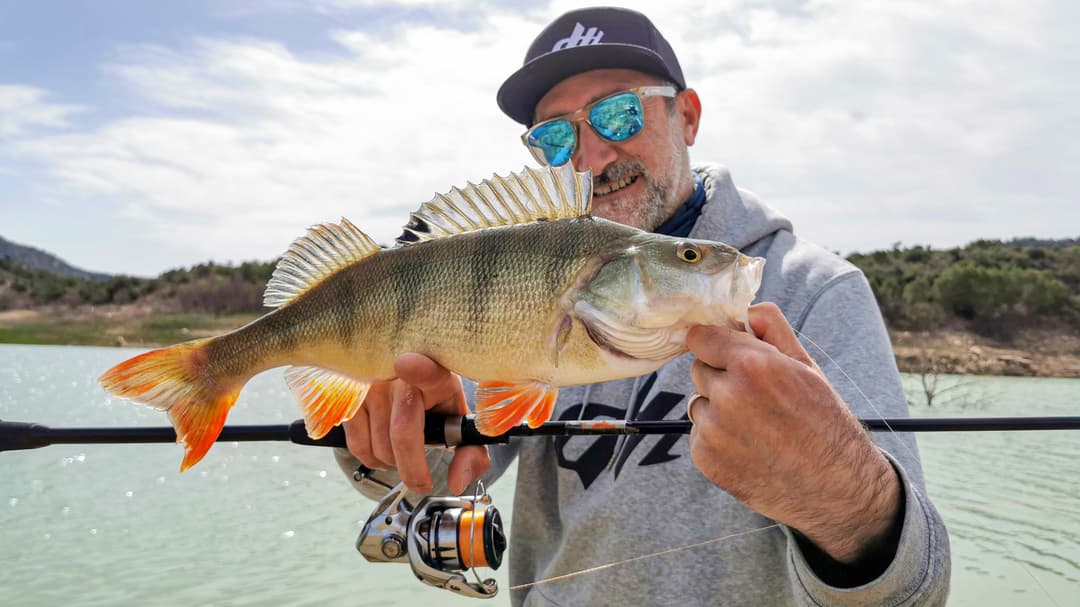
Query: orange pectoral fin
{"type": "Point", "coordinates": [503, 405]}
{"type": "Point", "coordinates": [542, 411]}
{"type": "Point", "coordinates": [327, 398]}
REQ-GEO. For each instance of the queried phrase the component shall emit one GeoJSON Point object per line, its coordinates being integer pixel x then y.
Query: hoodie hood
{"type": "Point", "coordinates": [732, 216]}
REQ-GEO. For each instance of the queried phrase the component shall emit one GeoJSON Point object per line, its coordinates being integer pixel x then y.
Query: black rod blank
{"type": "Point", "coordinates": [458, 430]}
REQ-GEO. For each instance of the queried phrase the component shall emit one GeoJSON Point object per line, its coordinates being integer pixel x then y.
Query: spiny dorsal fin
{"type": "Point", "coordinates": [325, 249]}
{"type": "Point", "coordinates": [531, 195]}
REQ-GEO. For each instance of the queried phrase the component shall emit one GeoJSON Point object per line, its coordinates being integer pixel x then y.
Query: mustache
{"type": "Point", "coordinates": [618, 171]}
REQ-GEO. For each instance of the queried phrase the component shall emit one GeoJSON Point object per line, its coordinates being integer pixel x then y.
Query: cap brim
{"type": "Point", "coordinates": [518, 96]}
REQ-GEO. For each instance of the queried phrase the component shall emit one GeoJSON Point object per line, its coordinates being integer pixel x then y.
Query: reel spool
{"type": "Point", "coordinates": [439, 538]}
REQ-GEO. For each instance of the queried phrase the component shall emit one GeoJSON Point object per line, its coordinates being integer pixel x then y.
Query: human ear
{"type": "Point", "coordinates": [688, 106]}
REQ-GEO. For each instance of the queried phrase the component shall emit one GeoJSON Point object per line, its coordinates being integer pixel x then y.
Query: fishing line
{"type": "Point", "coordinates": [733, 535]}
{"type": "Point", "coordinates": [895, 434]}
{"type": "Point", "coordinates": [1038, 583]}
{"type": "Point", "coordinates": [641, 558]}
{"type": "Point", "coordinates": [740, 533]}
{"type": "Point", "coordinates": [869, 403]}
{"type": "Point", "coordinates": [854, 385]}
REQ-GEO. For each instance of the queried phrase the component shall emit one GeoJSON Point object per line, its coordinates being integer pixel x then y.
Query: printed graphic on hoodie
{"type": "Point", "coordinates": [605, 450]}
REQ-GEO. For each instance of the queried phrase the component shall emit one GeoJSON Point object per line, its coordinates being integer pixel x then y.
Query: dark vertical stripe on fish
{"type": "Point", "coordinates": [343, 307]}
{"type": "Point", "coordinates": [485, 259]}
{"type": "Point", "coordinates": [562, 255]}
{"type": "Point", "coordinates": [285, 325]}
{"type": "Point", "coordinates": [408, 286]}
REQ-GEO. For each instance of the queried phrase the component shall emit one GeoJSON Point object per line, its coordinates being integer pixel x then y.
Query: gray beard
{"type": "Point", "coordinates": [649, 213]}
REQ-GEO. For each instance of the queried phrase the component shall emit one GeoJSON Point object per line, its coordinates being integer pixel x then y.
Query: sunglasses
{"type": "Point", "coordinates": [615, 118]}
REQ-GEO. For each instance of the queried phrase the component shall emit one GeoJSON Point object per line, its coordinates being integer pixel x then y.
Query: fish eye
{"type": "Point", "coordinates": [689, 253]}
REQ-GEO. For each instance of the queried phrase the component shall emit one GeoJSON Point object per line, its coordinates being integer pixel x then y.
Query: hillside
{"type": "Point", "coordinates": [37, 259]}
{"type": "Point", "coordinates": [206, 288]}
{"type": "Point", "coordinates": [988, 287]}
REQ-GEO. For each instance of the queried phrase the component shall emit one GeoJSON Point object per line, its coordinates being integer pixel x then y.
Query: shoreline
{"type": "Point", "coordinates": [1032, 353]}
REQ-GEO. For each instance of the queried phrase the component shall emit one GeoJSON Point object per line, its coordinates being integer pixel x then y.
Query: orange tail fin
{"type": "Point", "coordinates": [176, 380]}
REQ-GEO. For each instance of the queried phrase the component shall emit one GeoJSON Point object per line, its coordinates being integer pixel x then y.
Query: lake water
{"type": "Point", "coordinates": [274, 523]}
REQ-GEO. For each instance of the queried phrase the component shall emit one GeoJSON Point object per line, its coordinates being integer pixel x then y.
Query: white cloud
{"type": "Point", "coordinates": [270, 143]}
{"type": "Point", "coordinates": [23, 108]}
{"type": "Point", "coordinates": [854, 117]}
{"type": "Point", "coordinates": [868, 123]}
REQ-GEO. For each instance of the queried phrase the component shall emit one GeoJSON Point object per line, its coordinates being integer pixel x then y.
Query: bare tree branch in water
{"type": "Point", "coordinates": [932, 391]}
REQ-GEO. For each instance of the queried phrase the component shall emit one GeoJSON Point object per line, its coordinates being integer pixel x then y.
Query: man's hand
{"type": "Point", "coordinates": [772, 432]}
{"type": "Point", "coordinates": [388, 431]}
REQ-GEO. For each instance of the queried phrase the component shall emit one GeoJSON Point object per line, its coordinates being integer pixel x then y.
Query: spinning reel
{"type": "Point", "coordinates": [441, 537]}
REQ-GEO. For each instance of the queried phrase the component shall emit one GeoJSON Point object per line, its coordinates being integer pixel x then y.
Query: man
{"type": "Point", "coordinates": [775, 434]}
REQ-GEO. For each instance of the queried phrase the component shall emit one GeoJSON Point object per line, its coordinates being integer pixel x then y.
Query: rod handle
{"type": "Point", "coordinates": [439, 430]}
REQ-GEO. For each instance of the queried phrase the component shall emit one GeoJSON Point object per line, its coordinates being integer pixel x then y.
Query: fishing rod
{"type": "Point", "coordinates": [458, 430]}
{"type": "Point", "coordinates": [443, 537]}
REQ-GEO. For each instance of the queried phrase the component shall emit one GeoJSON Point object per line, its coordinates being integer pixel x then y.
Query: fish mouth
{"type": "Point", "coordinates": [751, 271]}
{"type": "Point", "coordinates": [741, 289]}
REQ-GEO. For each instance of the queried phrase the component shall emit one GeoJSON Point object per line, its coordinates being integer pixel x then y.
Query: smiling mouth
{"type": "Point", "coordinates": [611, 187]}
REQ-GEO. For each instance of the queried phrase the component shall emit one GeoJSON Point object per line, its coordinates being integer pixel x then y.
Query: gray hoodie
{"type": "Point", "coordinates": [585, 502]}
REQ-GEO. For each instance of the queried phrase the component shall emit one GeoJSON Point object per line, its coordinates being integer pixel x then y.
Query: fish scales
{"type": "Point", "coordinates": [493, 322]}
{"type": "Point", "coordinates": [416, 299]}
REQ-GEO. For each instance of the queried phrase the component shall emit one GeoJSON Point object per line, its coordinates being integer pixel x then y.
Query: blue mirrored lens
{"type": "Point", "coordinates": [617, 118]}
{"type": "Point", "coordinates": [555, 140]}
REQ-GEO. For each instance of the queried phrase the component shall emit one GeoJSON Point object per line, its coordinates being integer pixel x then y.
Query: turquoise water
{"type": "Point", "coordinates": [273, 523]}
{"type": "Point", "coordinates": [1011, 500]}
{"type": "Point", "coordinates": [252, 524]}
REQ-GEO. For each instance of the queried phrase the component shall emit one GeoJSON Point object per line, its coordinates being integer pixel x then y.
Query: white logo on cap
{"type": "Point", "coordinates": [579, 37]}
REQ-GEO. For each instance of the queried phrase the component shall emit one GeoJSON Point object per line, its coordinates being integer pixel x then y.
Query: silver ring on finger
{"type": "Point", "coordinates": [690, 405]}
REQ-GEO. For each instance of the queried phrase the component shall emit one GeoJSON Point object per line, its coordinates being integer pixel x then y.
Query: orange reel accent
{"type": "Point", "coordinates": [471, 556]}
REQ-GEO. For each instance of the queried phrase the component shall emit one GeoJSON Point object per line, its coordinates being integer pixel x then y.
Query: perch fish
{"type": "Point", "coordinates": [509, 282]}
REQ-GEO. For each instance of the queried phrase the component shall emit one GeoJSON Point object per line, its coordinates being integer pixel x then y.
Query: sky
{"type": "Point", "coordinates": [137, 137]}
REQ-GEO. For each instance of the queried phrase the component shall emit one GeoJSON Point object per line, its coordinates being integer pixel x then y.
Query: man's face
{"type": "Point", "coordinates": [640, 181]}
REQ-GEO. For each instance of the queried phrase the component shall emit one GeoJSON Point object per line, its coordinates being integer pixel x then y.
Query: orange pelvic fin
{"type": "Point", "coordinates": [503, 405]}
{"type": "Point", "coordinates": [176, 380]}
{"type": "Point", "coordinates": [327, 398]}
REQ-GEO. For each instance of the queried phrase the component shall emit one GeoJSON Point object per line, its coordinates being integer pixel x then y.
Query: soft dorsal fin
{"type": "Point", "coordinates": [531, 195]}
{"type": "Point", "coordinates": [325, 249]}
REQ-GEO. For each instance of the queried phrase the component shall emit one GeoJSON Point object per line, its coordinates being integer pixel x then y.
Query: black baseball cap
{"type": "Point", "coordinates": [583, 40]}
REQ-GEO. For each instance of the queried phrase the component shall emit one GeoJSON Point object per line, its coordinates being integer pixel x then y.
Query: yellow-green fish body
{"type": "Point", "coordinates": [510, 283]}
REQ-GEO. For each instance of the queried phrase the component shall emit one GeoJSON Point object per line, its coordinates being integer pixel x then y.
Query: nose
{"type": "Point", "coordinates": [593, 152]}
